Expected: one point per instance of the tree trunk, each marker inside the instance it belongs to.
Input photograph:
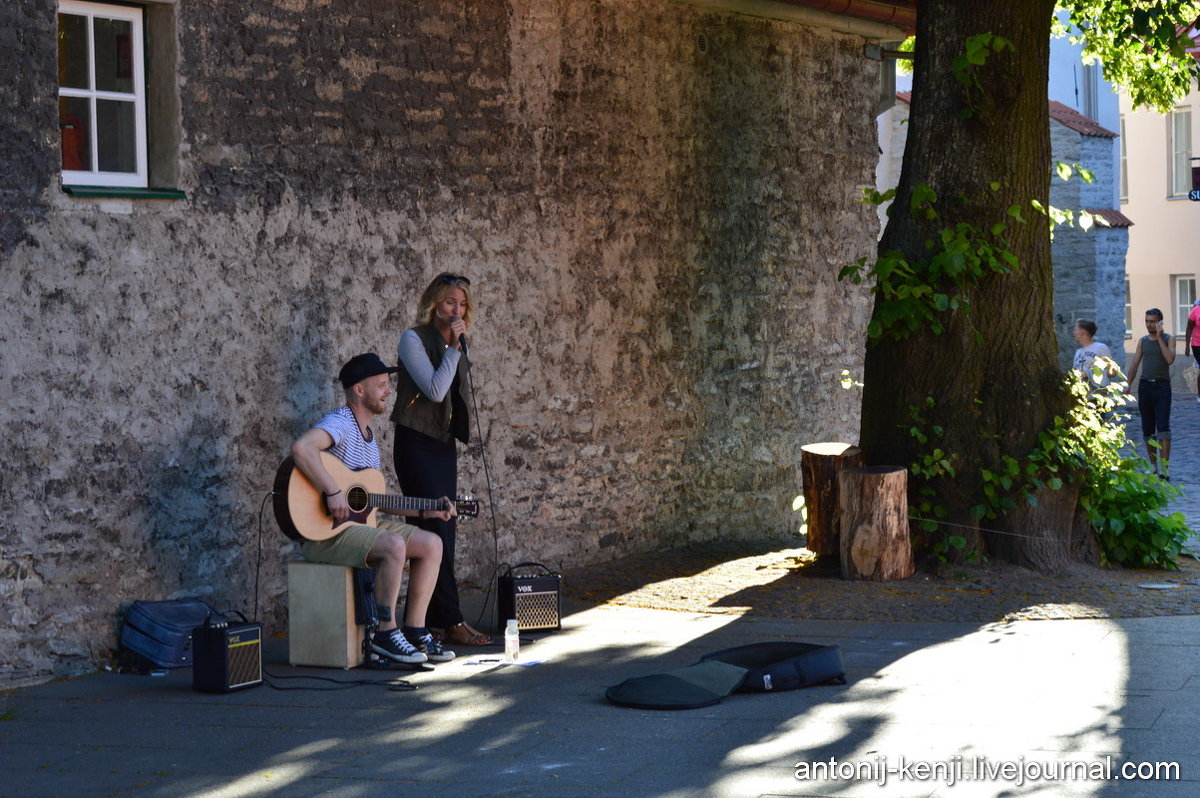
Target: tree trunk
(874, 518)
(984, 387)
(1039, 537)
(820, 464)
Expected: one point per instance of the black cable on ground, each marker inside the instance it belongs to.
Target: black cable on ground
(394, 685)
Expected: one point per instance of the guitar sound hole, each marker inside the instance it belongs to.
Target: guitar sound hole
(357, 499)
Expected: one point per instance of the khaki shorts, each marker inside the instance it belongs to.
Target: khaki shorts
(353, 544)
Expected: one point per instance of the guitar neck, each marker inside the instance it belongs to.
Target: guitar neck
(388, 501)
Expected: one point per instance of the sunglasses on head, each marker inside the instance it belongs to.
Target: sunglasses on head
(453, 279)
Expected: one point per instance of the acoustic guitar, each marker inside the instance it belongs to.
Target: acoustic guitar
(301, 512)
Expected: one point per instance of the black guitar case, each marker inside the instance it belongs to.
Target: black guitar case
(755, 668)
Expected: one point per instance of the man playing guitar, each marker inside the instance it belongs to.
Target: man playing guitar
(346, 433)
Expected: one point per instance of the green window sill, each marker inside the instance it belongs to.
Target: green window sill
(125, 193)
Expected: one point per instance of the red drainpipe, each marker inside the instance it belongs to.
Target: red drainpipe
(901, 13)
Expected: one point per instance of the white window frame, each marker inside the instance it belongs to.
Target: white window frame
(1124, 165)
(1128, 311)
(135, 16)
(1184, 291)
(1181, 151)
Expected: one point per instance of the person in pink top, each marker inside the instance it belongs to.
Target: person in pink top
(1191, 340)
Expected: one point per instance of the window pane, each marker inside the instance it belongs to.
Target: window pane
(116, 139)
(74, 120)
(1182, 145)
(114, 55)
(1185, 295)
(1128, 311)
(1124, 164)
(73, 51)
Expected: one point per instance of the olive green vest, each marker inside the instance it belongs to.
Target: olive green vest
(444, 420)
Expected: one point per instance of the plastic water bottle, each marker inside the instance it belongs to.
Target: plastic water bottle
(512, 641)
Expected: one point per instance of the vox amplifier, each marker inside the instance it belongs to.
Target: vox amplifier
(226, 658)
(534, 600)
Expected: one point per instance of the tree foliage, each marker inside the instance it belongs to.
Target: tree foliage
(1143, 45)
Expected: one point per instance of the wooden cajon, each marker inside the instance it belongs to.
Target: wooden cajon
(321, 627)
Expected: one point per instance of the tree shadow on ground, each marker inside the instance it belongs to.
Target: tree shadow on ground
(781, 579)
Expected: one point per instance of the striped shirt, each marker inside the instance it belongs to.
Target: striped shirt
(349, 445)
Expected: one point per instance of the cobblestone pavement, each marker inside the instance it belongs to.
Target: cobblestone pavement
(1184, 467)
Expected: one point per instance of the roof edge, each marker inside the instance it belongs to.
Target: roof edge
(807, 12)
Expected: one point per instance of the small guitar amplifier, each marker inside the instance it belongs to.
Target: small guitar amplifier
(535, 601)
(226, 658)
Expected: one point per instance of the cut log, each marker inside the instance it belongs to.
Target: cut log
(820, 464)
(874, 518)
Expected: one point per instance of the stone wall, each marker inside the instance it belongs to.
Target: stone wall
(1089, 265)
(652, 227)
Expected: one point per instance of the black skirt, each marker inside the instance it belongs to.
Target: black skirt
(428, 469)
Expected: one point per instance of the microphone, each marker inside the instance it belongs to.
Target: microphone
(462, 339)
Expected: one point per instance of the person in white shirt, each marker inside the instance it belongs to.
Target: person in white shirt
(346, 434)
(1090, 350)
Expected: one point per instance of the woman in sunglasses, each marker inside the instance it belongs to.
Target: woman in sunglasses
(430, 413)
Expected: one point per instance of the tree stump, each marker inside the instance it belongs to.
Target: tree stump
(820, 464)
(874, 517)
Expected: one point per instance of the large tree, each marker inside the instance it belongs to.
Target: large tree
(961, 372)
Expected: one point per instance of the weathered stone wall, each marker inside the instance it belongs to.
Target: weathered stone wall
(1089, 265)
(653, 234)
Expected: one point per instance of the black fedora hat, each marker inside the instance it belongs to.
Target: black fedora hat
(359, 367)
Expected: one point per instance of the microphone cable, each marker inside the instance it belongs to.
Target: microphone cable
(488, 595)
(258, 560)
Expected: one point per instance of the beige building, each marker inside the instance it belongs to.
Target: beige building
(1157, 152)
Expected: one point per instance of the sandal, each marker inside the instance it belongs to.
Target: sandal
(463, 634)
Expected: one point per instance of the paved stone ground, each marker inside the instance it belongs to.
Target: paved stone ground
(1104, 693)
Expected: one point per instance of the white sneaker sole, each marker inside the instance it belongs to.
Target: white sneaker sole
(415, 658)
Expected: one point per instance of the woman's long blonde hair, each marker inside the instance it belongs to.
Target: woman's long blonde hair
(437, 291)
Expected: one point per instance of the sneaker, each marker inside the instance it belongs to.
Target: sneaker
(432, 648)
(393, 645)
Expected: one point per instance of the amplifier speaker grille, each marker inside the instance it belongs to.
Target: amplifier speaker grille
(245, 664)
(227, 657)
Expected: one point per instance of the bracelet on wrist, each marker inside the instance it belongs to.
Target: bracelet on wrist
(331, 495)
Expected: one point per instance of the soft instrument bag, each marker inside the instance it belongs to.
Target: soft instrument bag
(754, 668)
(161, 631)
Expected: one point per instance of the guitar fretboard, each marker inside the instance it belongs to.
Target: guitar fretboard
(390, 501)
